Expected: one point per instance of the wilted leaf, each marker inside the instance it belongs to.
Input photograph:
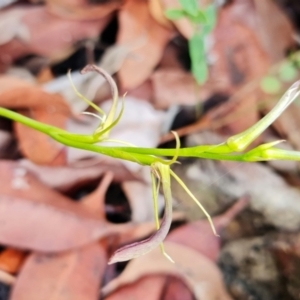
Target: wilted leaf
(18, 94)
(73, 275)
(65, 178)
(147, 40)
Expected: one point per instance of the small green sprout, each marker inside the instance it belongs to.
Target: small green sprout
(203, 21)
(233, 149)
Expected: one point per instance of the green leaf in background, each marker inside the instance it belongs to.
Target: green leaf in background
(287, 71)
(174, 14)
(197, 55)
(270, 85)
(211, 18)
(189, 6)
(199, 18)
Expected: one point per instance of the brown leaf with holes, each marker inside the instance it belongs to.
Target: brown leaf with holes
(72, 275)
(146, 39)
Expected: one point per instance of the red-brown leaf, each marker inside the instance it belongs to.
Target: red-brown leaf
(73, 275)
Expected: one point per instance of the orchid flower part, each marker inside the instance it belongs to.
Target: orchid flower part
(137, 249)
(107, 122)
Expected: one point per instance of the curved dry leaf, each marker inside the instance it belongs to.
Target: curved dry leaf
(147, 39)
(43, 227)
(38, 147)
(19, 94)
(64, 178)
(74, 275)
(199, 273)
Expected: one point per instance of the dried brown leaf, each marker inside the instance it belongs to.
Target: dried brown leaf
(73, 275)
(19, 94)
(147, 39)
(35, 217)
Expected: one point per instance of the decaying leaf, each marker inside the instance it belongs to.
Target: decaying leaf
(147, 39)
(39, 105)
(72, 275)
(66, 178)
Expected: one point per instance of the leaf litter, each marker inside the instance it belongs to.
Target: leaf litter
(55, 247)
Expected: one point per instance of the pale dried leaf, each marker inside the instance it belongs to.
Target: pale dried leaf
(73, 275)
(200, 274)
(148, 40)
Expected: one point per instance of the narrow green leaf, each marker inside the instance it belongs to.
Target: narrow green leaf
(197, 55)
(189, 6)
(199, 18)
(174, 14)
(211, 18)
